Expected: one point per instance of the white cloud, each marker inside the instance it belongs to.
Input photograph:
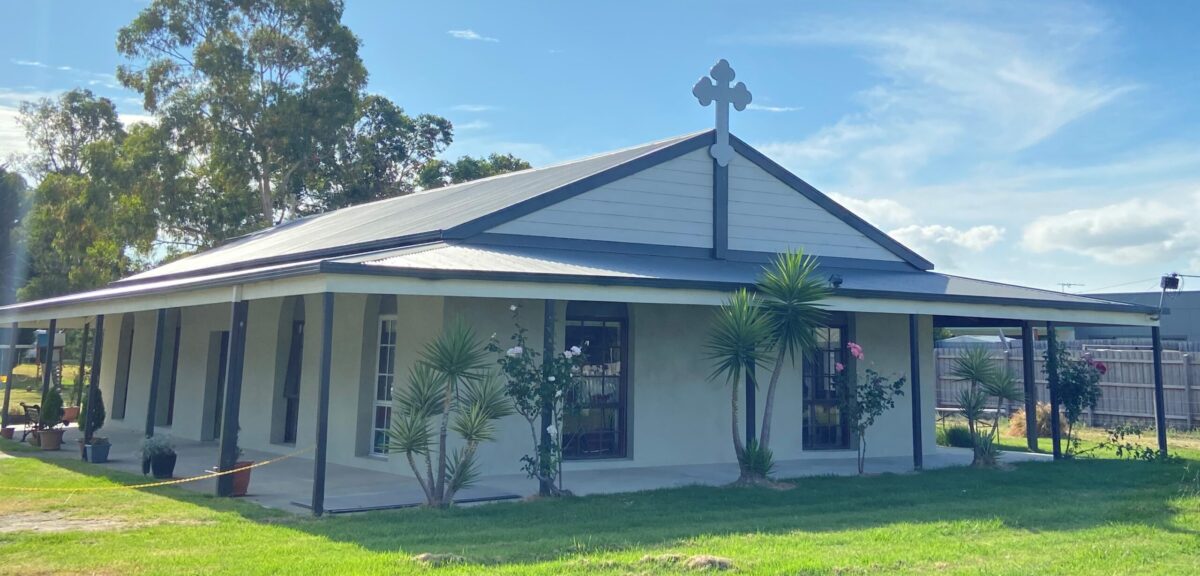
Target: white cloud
(881, 212)
(946, 245)
(473, 108)
(469, 34)
(1134, 231)
(766, 108)
(29, 63)
(472, 125)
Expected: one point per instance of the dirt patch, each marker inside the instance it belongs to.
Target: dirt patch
(59, 522)
(438, 559)
(697, 562)
(56, 522)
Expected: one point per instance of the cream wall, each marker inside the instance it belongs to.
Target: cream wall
(677, 414)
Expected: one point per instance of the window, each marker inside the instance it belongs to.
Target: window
(825, 428)
(385, 378)
(124, 358)
(597, 428)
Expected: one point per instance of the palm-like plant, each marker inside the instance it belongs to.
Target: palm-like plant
(975, 365)
(735, 344)
(791, 294)
(1005, 389)
(450, 378)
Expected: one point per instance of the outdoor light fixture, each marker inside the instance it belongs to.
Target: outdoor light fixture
(1170, 282)
(835, 280)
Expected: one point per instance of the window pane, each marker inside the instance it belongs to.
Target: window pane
(596, 428)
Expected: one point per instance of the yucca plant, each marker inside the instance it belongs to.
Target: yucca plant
(450, 379)
(769, 327)
(791, 293)
(737, 342)
(976, 367)
(1005, 389)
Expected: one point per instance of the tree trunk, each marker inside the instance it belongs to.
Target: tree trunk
(862, 452)
(264, 197)
(764, 437)
(738, 448)
(417, 474)
(440, 488)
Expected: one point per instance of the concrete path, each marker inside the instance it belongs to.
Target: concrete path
(287, 484)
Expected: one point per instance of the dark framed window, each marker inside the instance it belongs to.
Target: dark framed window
(825, 427)
(597, 426)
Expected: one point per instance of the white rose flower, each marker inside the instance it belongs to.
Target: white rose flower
(512, 308)
(552, 430)
(576, 351)
(558, 393)
(515, 351)
(551, 379)
(567, 354)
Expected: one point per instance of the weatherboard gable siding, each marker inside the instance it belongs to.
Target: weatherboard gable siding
(667, 204)
(768, 215)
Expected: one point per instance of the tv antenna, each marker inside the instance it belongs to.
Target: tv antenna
(1065, 285)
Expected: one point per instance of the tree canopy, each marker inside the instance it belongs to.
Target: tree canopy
(13, 202)
(260, 115)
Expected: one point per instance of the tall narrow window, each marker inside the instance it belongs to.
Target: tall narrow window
(385, 378)
(597, 428)
(825, 427)
(291, 384)
(124, 358)
(222, 369)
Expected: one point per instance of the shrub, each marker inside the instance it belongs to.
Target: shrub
(92, 414)
(160, 445)
(956, 436)
(52, 409)
(758, 460)
(987, 453)
(1016, 423)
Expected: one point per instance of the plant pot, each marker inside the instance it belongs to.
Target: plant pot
(70, 414)
(34, 439)
(97, 453)
(163, 465)
(6, 432)
(241, 478)
(51, 439)
(82, 450)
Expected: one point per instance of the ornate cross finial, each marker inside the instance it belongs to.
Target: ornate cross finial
(718, 90)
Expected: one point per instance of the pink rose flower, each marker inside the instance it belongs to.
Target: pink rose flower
(855, 350)
(839, 367)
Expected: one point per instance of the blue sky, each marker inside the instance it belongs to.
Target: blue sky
(1010, 141)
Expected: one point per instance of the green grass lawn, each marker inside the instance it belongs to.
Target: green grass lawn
(27, 387)
(1075, 517)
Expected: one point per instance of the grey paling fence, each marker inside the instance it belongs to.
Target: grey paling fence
(1127, 389)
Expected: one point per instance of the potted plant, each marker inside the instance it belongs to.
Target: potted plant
(158, 456)
(91, 418)
(7, 432)
(50, 436)
(241, 475)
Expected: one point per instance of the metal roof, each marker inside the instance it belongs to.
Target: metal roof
(451, 260)
(405, 219)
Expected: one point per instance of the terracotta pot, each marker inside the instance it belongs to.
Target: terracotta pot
(51, 439)
(241, 478)
(70, 414)
(34, 438)
(6, 432)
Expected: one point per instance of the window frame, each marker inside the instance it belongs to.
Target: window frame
(377, 403)
(581, 312)
(808, 399)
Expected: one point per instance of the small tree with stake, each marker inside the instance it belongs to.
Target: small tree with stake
(532, 386)
(862, 402)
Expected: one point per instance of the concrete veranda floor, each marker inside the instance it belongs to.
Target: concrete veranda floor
(287, 484)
